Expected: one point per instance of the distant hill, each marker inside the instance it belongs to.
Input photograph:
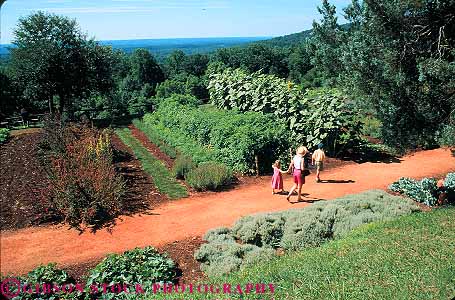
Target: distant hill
(162, 47)
(287, 40)
(293, 39)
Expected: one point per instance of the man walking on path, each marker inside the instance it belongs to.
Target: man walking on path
(317, 159)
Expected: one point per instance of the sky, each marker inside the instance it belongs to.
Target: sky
(141, 19)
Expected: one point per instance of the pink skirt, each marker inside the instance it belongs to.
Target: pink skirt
(277, 181)
(298, 177)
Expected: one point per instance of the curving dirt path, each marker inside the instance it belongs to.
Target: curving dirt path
(24, 249)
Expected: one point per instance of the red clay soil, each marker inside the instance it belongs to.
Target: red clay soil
(24, 249)
(152, 148)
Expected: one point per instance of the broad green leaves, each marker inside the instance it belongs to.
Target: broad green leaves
(319, 115)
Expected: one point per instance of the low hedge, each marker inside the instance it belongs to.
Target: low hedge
(209, 176)
(256, 237)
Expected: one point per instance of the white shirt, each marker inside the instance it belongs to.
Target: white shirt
(298, 162)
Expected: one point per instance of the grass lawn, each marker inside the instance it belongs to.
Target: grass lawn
(162, 177)
(412, 257)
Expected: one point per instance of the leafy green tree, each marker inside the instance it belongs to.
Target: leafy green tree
(53, 59)
(196, 64)
(175, 63)
(144, 69)
(325, 43)
(400, 59)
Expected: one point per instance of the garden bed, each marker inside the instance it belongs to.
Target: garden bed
(24, 184)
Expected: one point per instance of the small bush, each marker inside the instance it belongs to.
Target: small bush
(209, 176)
(85, 187)
(4, 135)
(424, 191)
(48, 274)
(446, 136)
(260, 230)
(182, 166)
(219, 235)
(140, 265)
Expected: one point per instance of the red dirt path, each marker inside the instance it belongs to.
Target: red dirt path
(24, 249)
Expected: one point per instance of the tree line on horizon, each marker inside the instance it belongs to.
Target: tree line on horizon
(394, 60)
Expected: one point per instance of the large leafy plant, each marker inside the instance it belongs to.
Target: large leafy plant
(318, 116)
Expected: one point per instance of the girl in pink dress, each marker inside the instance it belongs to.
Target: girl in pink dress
(277, 179)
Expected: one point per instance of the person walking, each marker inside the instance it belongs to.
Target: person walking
(317, 159)
(297, 166)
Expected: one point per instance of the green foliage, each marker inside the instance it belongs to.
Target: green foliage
(398, 57)
(4, 135)
(424, 191)
(209, 176)
(449, 182)
(53, 58)
(329, 119)
(446, 136)
(46, 274)
(183, 84)
(229, 137)
(161, 176)
(182, 166)
(263, 230)
(255, 57)
(144, 266)
(399, 259)
(320, 115)
(155, 138)
(371, 126)
(325, 43)
(296, 229)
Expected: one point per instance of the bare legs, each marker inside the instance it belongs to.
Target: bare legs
(299, 191)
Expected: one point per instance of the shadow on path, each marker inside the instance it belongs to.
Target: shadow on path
(337, 181)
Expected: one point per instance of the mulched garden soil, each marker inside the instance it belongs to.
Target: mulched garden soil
(23, 183)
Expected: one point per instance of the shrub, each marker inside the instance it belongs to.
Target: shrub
(424, 191)
(320, 115)
(222, 234)
(261, 234)
(260, 230)
(85, 188)
(140, 265)
(4, 135)
(182, 166)
(446, 135)
(209, 176)
(47, 274)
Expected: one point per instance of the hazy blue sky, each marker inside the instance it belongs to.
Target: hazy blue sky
(133, 19)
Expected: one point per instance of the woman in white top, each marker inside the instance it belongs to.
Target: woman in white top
(298, 166)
